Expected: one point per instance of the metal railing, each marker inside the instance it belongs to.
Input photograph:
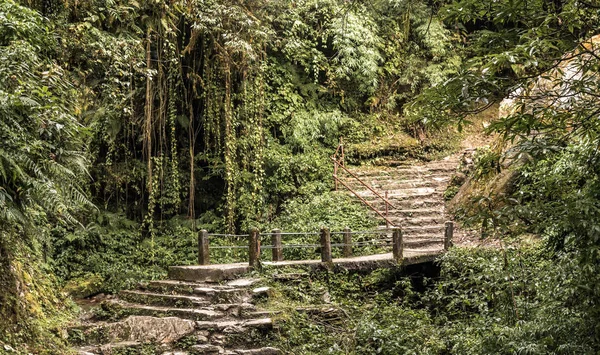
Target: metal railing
(338, 162)
(277, 246)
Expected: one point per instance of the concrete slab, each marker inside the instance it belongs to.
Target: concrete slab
(222, 272)
(367, 262)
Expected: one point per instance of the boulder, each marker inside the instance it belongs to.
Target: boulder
(151, 329)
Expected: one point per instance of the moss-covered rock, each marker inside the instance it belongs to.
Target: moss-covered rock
(84, 286)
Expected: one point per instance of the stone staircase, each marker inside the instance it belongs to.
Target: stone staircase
(173, 317)
(417, 193)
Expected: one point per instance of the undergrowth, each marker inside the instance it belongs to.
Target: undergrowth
(484, 301)
(112, 253)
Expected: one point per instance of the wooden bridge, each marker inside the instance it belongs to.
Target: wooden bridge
(399, 255)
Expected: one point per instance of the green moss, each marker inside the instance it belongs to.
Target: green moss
(34, 314)
(84, 286)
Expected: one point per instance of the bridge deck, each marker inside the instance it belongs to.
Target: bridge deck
(219, 272)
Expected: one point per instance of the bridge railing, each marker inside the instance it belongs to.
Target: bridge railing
(344, 239)
(339, 163)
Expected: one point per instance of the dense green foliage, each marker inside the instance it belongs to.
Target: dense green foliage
(542, 176)
(127, 126)
(113, 254)
(42, 168)
(491, 301)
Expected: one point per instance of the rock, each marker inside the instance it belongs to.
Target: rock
(259, 323)
(204, 291)
(215, 325)
(204, 333)
(107, 349)
(290, 276)
(163, 330)
(208, 273)
(176, 353)
(262, 291)
(206, 349)
(243, 282)
(151, 329)
(85, 352)
(218, 339)
(224, 307)
(201, 339)
(261, 351)
(85, 286)
(234, 329)
(458, 179)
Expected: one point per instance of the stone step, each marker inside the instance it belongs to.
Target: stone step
(208, 349)
(404, 180)
(161, 299)
(125, 347)
(215, 311)
(141, 329)
(181, 287)
(444, 166)
(223, 295)
(421, 229)
(416, 242)
(435, 235)
(208, 273)
(208, 292)
(403, 164)
(399, 194)
(260, 351)
(397, 184)
(403, 177)
(235, 326)
(418, 212)
(427, 202)
(417, 221)
(394, 197)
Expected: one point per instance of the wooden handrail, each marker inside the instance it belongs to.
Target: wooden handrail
(364, 201)
(385, 200)
(338, 162)
(325, 244)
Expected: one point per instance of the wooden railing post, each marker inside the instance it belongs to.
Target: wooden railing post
(398, 245)
(253, 247)
(347, 249)
(448, 234)
(203, 253)
(325, 245)
(335, 169)
(277, 247)
(387, 223)
(342, 149)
